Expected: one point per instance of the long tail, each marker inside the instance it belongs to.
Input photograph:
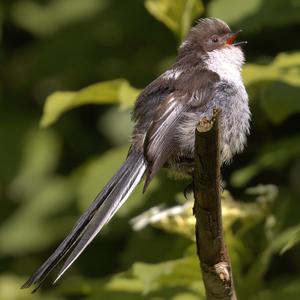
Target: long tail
(106, 204)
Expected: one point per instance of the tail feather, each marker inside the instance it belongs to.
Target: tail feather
(106, 204)
(111, 205)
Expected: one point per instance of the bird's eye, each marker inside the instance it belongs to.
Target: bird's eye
(215, 38)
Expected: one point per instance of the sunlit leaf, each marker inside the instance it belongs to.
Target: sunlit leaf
(180, 219)
(278, 85)
(177, 15)
(164, 279)
(127, 94)
(107, 92)
(181, 272)
(284, 68)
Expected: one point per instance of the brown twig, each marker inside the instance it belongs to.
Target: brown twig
(211, 248)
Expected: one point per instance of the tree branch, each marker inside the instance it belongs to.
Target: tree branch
(211, 248)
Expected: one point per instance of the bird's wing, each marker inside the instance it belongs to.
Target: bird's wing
(191, 93)
(159, 142)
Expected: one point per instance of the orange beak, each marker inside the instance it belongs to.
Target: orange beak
(232, 37)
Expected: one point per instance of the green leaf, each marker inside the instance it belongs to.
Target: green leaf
(277, 84)
(176, 15)
(181, 272)
(273, 157)
(180, 219)
(127, 94)
(107, 92)
(280, 100)
(293, 238)
(163, 280)
(284, 68)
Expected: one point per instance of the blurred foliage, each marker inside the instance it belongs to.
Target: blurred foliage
(72, 53)
(177, 15)
(114, 91)
(256, 14)
(49, 18)
(279, 83)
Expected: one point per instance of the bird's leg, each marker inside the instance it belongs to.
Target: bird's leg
(188, 190)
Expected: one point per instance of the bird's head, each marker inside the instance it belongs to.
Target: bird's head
(211, 34)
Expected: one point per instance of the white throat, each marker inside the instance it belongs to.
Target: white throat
(227, 63)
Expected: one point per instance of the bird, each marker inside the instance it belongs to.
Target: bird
(205, 75)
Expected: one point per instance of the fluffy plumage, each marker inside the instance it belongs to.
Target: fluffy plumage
(205, 75)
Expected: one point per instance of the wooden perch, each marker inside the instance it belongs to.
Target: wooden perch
(211, 248)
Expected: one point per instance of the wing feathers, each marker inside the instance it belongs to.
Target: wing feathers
(160, 141)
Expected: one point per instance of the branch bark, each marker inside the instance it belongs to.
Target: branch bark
(211, 248)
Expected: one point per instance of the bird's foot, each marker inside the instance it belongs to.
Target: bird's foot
(188, 190)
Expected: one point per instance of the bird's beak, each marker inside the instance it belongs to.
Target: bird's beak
(232, 37)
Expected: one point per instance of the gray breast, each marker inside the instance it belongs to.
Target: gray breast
(232, 99)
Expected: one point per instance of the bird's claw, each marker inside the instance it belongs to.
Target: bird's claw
(188, 189)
